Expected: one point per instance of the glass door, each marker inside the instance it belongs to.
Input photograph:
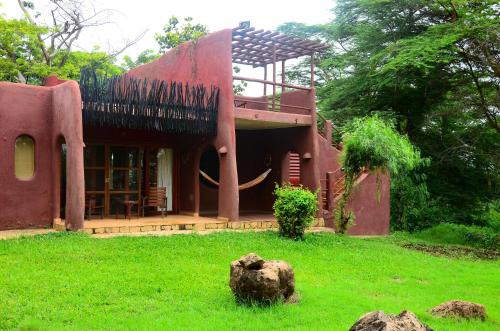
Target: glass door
(124, 178)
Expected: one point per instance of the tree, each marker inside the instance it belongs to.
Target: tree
(42, 44)
(432, 67)
(144, 57)
(175, 34)
(20, 51)
(21, 56)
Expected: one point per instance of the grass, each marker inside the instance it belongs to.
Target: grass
(75, 282)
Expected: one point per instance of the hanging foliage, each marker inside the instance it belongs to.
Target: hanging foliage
(130, 103)
(372, 145)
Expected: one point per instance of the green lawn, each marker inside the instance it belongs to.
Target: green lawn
(75, 282)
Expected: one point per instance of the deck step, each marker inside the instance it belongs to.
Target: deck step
(183, 227)
(95, 228)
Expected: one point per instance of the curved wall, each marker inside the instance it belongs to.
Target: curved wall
(45, 114)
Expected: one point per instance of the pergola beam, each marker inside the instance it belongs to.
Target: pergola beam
(260, 48)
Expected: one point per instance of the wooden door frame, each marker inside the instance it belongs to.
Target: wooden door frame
(175, 169)
(108, 192)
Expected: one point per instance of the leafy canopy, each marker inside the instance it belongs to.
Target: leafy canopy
(432, 68)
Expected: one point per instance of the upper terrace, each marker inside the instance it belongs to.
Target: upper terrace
(281, 104)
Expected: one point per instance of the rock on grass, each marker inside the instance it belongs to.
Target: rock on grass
(460, 309)
(254, 280)
(379, 321)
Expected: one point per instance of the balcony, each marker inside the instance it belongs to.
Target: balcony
(294, 104)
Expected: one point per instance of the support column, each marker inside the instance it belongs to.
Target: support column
(75, 190)
(310, 171)
(228, 182)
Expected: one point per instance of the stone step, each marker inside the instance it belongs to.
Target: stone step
(120, 227)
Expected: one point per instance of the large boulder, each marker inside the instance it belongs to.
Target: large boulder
(461, 309)
(379, 321)
(254, 280)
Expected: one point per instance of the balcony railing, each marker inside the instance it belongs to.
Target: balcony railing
(271, 102)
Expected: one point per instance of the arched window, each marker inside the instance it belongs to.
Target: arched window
(24, 161)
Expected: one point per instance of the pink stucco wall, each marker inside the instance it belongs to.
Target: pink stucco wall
(46, 114)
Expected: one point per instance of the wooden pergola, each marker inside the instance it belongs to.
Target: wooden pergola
(259, 48)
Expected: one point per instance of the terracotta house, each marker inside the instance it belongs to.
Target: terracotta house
(96, 149)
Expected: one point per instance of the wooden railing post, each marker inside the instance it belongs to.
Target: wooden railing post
(283, 77)
(265, 78)
(312, 70)
(327, 131)
(330, 188)
(274, 78)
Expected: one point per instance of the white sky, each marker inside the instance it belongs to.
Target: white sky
(131, 17)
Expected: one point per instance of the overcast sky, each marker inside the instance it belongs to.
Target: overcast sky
(132, 17)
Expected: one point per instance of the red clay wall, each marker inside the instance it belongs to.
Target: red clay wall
(207, 61)
(370, 203)
(45, 114)
(249, 102)
(296, 98)
(329, 156)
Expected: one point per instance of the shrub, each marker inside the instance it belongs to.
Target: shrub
(491, 215)
(482, 237)
(295, 209)
(458, 234)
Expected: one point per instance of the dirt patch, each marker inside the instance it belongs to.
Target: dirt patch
(455, 251)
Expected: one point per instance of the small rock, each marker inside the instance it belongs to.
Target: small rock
(379, 321)
(251, 261)
(254, 280)
(462, 309)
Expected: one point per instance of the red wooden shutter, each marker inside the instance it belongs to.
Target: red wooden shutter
(294, 168)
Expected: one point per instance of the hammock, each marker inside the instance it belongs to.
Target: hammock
(244, 186)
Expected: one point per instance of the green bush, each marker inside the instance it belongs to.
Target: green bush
(458, 234)
(295, 209)
(491, 215)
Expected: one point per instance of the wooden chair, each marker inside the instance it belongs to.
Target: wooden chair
(91, 206)
(156, 198)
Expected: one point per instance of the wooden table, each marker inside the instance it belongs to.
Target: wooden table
(128, 208)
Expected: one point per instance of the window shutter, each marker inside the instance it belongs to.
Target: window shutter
(294, 168)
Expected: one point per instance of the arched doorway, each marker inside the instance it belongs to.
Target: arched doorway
(209, 191)
(62, 151)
